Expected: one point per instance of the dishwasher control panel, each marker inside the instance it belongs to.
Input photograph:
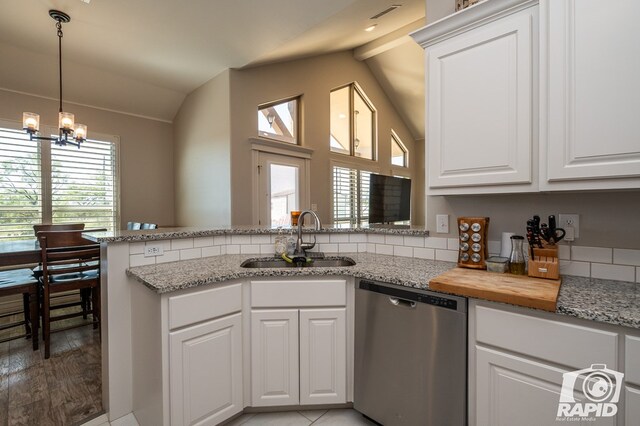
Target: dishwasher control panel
(409, 295)
(438, 301)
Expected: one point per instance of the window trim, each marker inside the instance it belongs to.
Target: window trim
(354, 87)
(371, 168)
(45, 164)
(395, 138)
(297, 124)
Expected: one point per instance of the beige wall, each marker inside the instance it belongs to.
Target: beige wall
(202, 156)
(146, 153)
(313, 78)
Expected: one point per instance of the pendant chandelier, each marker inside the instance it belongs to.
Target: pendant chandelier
(70, 132)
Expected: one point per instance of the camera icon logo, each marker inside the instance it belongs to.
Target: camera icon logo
(600, 392)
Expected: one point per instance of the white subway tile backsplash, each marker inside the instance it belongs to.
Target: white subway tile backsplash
(403, 251)
(219, 240)
(241, 239)
(384, 249)
(626, 257)
(424, 253)
(182, 243)
(233, 249)
(362, 247)
(211, 251)
(136, 248)
(447, 255)
(165, 243)
(371, 248)
(591, 254)
(347, 248)
(413, 241)
(260, 239)
(358, 238)
(394, 240)
(323, 238)
(580, 269)
(203, 242)
(453, 243)
(339, 238)
(435, 242)
(613, 272)
(638, 274)
(376, 238)
(193, 253)
(250, 249)
(168, 256)
(328, 248)
(564, 252)
(267, 249)
(140, 260)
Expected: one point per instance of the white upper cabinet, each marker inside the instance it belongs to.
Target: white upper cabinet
(590, 58)
(481, 111)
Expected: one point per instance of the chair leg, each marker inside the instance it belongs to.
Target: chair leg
(27, 319)
(33, 310)
(95, 296)
(84, 302)
(46, 331)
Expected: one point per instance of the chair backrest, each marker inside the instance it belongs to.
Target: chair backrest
(74, 238)
(58, 227)
(133, 226)
(70, 267)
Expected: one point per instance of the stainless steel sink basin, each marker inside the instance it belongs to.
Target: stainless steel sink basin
(327, 262)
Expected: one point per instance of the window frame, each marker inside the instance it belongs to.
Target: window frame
(44, 147)
(297, 122)
(370, 168)
(354, 88)
(396, 139)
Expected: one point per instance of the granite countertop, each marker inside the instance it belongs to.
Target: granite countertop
(613, 302)
(168, 233)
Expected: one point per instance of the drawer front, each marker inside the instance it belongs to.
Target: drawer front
(632, 360)
(555, 341)
(298, 293)
(203, 305)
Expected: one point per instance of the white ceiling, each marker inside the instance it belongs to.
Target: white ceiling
(144, 56)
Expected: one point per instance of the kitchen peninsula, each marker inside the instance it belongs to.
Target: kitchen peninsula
(147, 297)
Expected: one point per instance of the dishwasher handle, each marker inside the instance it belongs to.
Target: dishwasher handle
(401, 302)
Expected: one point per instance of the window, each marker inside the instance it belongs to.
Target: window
(399, 153)
(279, 121)
(44, 183)
(350, 195)
(352, 122)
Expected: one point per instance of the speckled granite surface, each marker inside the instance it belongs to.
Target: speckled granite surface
(612, 302)
(168, 233)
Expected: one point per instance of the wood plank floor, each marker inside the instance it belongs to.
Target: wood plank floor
(62, 390)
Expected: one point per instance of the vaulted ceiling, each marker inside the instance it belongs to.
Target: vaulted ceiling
(142, 57)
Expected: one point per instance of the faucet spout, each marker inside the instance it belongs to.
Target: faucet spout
(302, 246)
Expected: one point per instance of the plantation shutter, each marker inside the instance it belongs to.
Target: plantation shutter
(84, 184)
(20, 185)
(350, 195)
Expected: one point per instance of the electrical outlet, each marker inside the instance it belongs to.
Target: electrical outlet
(153, 250)
(570, 221)
(442, 223)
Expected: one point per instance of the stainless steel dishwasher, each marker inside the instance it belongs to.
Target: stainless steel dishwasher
(410, 355)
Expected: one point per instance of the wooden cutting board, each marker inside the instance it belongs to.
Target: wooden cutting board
(518, 290)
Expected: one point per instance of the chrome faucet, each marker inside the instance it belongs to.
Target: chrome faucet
(301, 246)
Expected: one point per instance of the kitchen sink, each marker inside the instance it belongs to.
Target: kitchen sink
(327, 262)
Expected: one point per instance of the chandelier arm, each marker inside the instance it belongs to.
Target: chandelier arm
(60, 34)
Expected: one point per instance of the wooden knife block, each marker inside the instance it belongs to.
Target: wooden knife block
(545, 263)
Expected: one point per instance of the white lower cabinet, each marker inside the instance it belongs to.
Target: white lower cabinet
(206, 372)
(274, 357)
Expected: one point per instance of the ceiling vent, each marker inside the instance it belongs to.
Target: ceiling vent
(387, 10)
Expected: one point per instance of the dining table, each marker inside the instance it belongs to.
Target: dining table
(19, 252)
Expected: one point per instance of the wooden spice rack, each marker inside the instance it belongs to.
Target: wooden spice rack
(544, 263)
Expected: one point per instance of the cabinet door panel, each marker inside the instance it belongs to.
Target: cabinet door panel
(206, 372)
(512, 390)
(479, 105)
(632, 404)
(593, 67)
(323, 356)
(274, 357)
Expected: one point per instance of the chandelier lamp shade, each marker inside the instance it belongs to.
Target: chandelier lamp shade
(70, 132)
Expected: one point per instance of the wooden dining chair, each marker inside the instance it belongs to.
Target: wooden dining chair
(58, 227)
(21, 281)
(69, 262)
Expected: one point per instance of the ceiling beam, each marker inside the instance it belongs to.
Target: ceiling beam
(388, 41)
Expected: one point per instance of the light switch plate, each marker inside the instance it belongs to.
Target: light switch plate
(153, 250)
(442, 223)
(570, 220)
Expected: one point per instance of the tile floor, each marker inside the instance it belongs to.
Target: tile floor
(337, 417)
(62, 390)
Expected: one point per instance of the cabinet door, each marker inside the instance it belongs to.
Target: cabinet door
(592, 65)
(512, 390)
(632, 405)
(480, 105)
(206, 372)
(323, 356)
(274, 357)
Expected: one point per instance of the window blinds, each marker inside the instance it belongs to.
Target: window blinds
(20, 185)
(350, 195)
(83, 185)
